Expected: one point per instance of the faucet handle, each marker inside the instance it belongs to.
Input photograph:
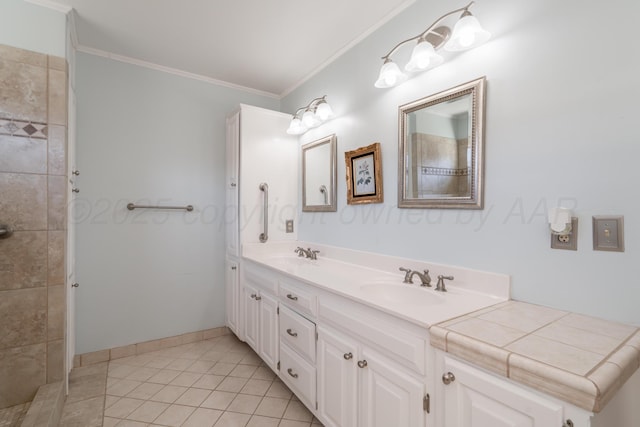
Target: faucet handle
(299, 251)
(440, 286)
(314, 254)
(426, 279)
(407, 275)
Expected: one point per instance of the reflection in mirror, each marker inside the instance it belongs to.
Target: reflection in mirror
(319, 175)
(441, 149)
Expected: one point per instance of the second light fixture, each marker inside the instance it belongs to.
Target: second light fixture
(314, 114)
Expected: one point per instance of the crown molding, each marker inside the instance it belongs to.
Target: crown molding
(49, 4)
(170, 70)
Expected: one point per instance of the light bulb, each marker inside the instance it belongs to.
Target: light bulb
(310, 120)
(390, 75)
(296, 127)
(423, 56)
(324, 111)
(467, 34)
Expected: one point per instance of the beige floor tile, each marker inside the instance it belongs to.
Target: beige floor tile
(193, 397)
(219, 400)
(263, 373)
(148, 411)
(186, 379)
(175, 415)
(243, 371)
(272, 407)
(213, 355)
(233, 357)
(298, 412)
(208, 381)
(293, 423)
(159, 362)
(120, 371)
(142, 374)
(169, 394)
(222, 368)
(260, 421)
(85, 413)
(244, 403)
(201, 366)
(122, 387)
(110, 400)
(256, 387)
(131, 423)
(145, 391)
(110, 422)
(179, 364)
(278, 389)
(203, 417)
(165, 376)
(251, 359)
(232, 419)
(123, 407)
(232, 384)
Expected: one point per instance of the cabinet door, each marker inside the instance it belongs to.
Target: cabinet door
(337, 379)
(268, 337)
(478, 399)
(388, 395)
(251, 307)
(232, 297)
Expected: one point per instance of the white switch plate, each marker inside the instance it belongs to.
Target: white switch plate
(608, 233)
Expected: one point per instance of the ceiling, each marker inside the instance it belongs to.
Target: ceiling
(270, 46)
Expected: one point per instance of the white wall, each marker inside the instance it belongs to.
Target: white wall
(152, 138)
(562, 97)
(32, 27)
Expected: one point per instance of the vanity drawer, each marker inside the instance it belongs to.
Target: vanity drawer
(259, 277)
(298, 298)
(298, 332)
(298, 374)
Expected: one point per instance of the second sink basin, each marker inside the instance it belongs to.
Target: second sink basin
(413, 295)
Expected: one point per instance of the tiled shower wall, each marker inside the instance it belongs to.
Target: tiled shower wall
(33, 194)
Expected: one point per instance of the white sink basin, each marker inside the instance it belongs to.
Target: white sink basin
(402, 294)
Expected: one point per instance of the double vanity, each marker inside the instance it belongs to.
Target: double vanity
(359, 347)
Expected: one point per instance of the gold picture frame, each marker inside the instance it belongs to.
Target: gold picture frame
(364, 175)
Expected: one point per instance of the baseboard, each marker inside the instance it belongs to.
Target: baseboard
(147, 346)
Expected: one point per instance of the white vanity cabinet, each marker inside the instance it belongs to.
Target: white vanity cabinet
(260, 313)
(371, 369)
(471, 397)
(232, 295)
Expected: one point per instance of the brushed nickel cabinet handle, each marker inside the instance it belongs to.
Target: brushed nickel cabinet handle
(448, 378)
(293, 334)
(362, 363)
(348, 356)
(293, 374)
(292, 297)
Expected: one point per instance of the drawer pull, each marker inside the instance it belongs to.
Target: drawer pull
(293, 334)
(348, 356)
(293, 374)
(362, 363)
(292, 297)
(256, 297)
(253, 296)
(448, 378)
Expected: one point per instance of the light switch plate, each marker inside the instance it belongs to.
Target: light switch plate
(289, 226)
(608, 233)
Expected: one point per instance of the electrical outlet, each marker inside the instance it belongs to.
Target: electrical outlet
(289, 226)
(567, 241)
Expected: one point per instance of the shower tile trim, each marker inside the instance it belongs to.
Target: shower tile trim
(106, 355)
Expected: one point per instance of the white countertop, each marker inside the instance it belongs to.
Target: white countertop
(371, 279)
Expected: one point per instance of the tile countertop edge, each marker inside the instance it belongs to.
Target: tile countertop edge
(590, 392)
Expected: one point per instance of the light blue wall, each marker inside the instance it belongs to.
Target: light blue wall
(562, 97)
(153, 138)
(32, 27)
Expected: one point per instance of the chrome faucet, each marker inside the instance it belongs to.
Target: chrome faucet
(307, 253)
(425, 279)
(440, 285)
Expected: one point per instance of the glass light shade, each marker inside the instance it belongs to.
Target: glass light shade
(467, 34)
(296, 127)
(310, 120)
(390, 75)
(324, 111)
(424, 56)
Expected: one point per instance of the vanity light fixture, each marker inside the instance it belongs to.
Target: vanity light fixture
(466, 34)
(314, 114)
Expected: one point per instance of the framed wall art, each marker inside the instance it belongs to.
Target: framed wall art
(364, 175)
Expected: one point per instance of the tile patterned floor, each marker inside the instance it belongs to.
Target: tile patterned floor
(13, 416)
(219, 382)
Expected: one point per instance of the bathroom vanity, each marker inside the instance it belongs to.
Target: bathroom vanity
(361, 348)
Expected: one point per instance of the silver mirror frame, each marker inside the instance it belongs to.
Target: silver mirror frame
(332, 198)
(475, 200)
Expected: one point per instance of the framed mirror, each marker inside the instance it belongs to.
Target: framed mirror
(319, 175)
(441, 156)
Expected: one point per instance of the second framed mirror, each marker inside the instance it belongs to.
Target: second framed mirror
(319, 175)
